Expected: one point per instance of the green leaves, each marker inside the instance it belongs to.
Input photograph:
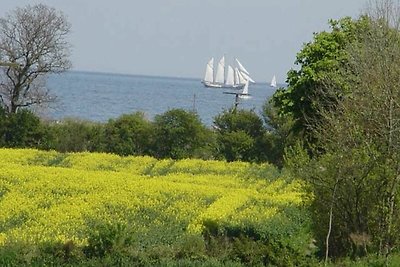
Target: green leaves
(180, 134)
(22, 129)
(320, 61)
(239, 135)
(130, 134)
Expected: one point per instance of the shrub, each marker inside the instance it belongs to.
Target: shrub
(240, 135)
(128, 135)
(179, 134)
(75, 136)
(107, 239)
(24, 129)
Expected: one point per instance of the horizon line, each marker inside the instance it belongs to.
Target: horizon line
(131, 74)
(142, 75)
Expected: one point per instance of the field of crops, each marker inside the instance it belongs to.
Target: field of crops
(55, 198)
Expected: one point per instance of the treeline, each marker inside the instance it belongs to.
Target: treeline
(177, 134)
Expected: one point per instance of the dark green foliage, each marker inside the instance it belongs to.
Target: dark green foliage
(108, 239)
(279, 134)
(180, 134)
(370, 261)
(285, 240)
(76, 136)
(240, 136)
(129, 134)
(175, 134)
(355, 200)
(23, 129)
(235, 145)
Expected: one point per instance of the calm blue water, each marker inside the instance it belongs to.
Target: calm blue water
(100, 96)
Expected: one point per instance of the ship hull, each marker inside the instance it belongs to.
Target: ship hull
(218, 85)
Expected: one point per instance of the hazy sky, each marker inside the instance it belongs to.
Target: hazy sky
(177, 37)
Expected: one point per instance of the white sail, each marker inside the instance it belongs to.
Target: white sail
(230, 79)
(245, 92)
(244, 72)
(241, 68)
(235, 77)
(246, 88)
(273, 81)
(236, 71)
(209, 76)
(220, 77)
(242, 79)
(247, 77)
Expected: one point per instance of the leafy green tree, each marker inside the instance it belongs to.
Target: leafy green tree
(319, 61)
(129, 135)
(180, 134)
(240, 135)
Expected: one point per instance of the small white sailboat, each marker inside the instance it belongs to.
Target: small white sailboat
(236, 78)
(273, 81)
(245, 93)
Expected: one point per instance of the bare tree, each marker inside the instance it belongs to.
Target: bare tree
(32, 43)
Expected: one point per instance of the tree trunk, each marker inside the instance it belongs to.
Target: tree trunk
(13, 108)
(330, 222)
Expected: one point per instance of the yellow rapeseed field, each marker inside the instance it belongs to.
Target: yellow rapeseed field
(47, 196)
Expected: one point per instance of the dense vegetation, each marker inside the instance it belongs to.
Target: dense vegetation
(344, 105)
(176, 134)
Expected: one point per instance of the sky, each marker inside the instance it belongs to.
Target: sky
(176, 38)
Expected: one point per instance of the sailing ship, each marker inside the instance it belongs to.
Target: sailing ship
(236, 78)
(273, 81)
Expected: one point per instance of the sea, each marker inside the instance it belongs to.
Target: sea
(102, 96)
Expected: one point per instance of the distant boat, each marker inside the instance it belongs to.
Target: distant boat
(273, 81)
(236, 78)
(245, 93)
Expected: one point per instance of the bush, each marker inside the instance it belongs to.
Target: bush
(106, 239)
(180, 134)
(76, 136)
(128, 135)
(23, 129)
(235, 145)
(240, 136)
